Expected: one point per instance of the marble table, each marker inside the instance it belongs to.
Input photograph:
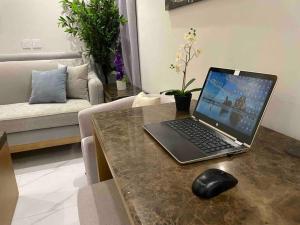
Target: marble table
(157, 190)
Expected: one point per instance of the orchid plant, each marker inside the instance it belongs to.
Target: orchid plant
(183, 57)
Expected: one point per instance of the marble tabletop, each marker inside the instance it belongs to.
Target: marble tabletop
(157, 190)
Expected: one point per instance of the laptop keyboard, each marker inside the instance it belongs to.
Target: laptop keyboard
(199, 135)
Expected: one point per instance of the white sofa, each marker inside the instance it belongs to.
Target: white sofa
(86, 131)
(40, 125)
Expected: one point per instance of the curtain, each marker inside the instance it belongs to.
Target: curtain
(129, 41)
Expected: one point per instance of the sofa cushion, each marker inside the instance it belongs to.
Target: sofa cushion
(23, 116)
(77, 82)
(143, 99)
(166, 98)
(49, 86)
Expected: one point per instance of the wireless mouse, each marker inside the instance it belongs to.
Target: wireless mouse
(213, 182)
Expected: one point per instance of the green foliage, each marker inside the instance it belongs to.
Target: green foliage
(183, 91)
(96, 23)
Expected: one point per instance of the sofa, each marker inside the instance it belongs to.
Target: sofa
(86, 131)
(36, 126)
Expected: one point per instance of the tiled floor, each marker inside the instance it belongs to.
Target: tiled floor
(48, 182)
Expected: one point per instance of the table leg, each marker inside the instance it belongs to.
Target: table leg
(8, 187)
(104, 172)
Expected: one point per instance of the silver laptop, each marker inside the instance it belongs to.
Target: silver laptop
(225, 120)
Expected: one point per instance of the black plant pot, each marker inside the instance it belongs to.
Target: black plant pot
(104, 74)
(100, 73)
(183, 102)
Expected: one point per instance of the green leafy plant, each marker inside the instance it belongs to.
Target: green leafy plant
(97, 24)
(185, 54)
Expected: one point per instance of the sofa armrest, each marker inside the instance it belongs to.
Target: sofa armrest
(95, 89)
(84, 116)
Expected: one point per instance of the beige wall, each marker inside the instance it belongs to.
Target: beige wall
(254, 35)
(21, 19)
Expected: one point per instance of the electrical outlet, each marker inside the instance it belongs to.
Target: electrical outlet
(36, 43)
(26, 43)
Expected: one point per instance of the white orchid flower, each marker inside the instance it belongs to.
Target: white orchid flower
(177, 68)
(178, 56)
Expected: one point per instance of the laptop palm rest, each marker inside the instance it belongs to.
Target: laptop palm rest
(179, 147)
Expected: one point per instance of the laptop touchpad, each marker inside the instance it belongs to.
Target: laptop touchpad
(180, 148)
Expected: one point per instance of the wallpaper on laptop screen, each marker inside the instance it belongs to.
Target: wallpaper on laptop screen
(235, 101)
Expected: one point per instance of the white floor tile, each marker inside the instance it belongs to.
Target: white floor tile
(48, 190)
(65, 216)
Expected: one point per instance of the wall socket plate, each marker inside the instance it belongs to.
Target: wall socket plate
(26, 43)
(36, 43)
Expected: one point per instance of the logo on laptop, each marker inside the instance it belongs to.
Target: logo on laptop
(217, 124)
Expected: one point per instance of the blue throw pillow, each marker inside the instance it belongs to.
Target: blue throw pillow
(48, 86)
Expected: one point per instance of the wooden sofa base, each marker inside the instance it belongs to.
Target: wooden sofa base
(44, 144)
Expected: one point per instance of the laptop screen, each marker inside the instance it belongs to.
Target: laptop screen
(234, 102)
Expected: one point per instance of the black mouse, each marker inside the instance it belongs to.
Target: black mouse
(213, 182)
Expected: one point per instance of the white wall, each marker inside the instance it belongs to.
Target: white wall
(254, 35)
(22, 19)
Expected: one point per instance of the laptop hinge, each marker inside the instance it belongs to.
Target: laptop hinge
(238, 142)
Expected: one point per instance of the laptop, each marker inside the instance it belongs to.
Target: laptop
(225, 120)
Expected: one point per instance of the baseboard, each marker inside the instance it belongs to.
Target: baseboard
(44, 144)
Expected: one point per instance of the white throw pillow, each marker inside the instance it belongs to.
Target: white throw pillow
(166, 98)
(143, 99)
(77, 81)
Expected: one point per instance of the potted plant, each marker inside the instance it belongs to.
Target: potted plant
(184, 56)
(97, 24)
(121, 78)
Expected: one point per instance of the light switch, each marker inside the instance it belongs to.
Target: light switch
(26, 44)
(36, 43)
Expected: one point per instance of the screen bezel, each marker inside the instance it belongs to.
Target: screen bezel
(232, 132)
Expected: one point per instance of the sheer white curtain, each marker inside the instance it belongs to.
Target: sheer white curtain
(129, 41)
